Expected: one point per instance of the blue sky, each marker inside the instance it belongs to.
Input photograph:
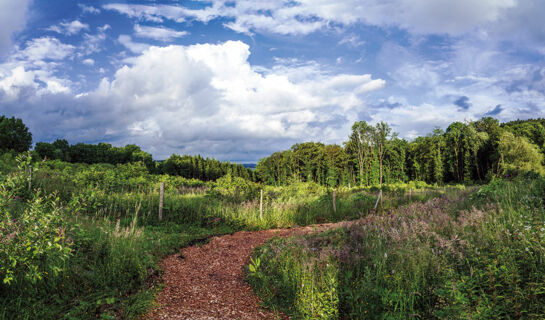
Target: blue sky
(240, 79)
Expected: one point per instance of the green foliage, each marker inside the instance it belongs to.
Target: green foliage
(453, 257)
(235, 189)
(517, 155)
(33, 239)
(14, 135)
(93, 153)
(295, 280)
(472, 152)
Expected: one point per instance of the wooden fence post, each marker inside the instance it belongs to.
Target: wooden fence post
(30, 178)
(161, 198)
(378, 198)
(261, 206)
(334, 207)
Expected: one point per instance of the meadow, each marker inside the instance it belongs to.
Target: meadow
(473, 254)
(83, 241)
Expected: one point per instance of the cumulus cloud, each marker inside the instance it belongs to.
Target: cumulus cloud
(69, 28)
(45, 48)
(201, 99)
(32, 69)
(158, 33)
(12, 19)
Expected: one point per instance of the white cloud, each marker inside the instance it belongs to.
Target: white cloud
(45, 48)
(13, 16)
(33, 68)
(93, 42)
(306, 16)
(158, 33)
(424, 16)
(88, 9)
(69, 28)
(12, 83)
(416, 75)
(134, 47)
(88, 62)
(352, 40)
(200, 99)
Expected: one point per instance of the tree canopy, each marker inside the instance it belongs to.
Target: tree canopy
(14, 135)
(463, 153)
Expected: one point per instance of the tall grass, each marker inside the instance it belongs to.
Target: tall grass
(459, 256)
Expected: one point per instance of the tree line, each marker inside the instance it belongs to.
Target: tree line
(467, 152)
(471, 152)
(197, 167)
(191, 167)
(15, 137)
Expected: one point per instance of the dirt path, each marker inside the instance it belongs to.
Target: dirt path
(208, 282)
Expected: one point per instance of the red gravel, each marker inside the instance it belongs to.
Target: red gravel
(208, 282)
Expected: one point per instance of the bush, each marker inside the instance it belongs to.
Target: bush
(33, 238)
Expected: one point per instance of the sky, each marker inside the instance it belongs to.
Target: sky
(239, 79)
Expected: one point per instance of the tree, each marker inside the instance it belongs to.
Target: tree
(45, 150)
(475, 140)
(309, 159)
(395, 160)
(380, 138)
(360, 144)
(454, 142)
(517, 154)
(336, 161)
(488, 155)
(14, 135)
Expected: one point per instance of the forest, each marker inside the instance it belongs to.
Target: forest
(472, 152)
(446, 226)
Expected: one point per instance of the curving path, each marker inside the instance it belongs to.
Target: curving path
(208, 282)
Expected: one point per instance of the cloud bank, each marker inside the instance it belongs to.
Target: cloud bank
(191, 99)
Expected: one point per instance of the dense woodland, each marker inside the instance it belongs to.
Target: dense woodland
(470, 152)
